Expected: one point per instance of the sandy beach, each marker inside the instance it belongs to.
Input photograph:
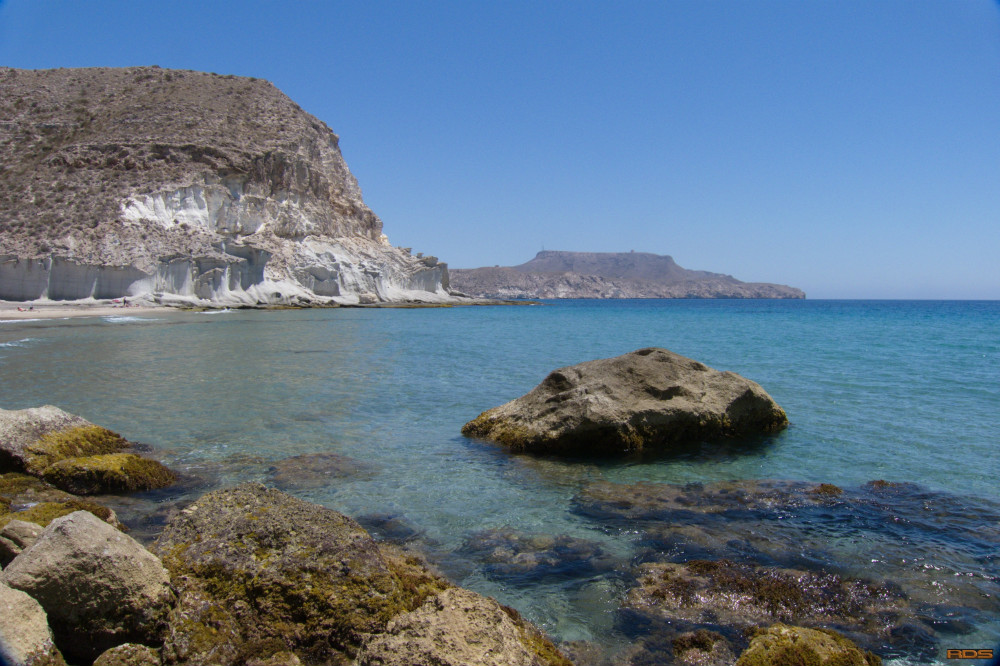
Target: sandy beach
(11, 311)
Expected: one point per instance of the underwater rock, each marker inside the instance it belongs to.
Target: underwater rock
(73, 454)
(32, 500)
(888, 533)
(648, 400)
(781, 645)
(274, 573)
(25, 637)
(733, 597)
(390, 527)
(99, 587)
(460, 628)
(522, 558)
(314, 470)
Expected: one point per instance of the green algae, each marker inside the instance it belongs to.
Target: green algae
(701, 639)
(45, 512)
(115, 472)
(80, 441)
(783, 645)
(535, 641)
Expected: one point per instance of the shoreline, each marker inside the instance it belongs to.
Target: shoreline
(12, 311)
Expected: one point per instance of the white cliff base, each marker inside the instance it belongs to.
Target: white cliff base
(217, 244)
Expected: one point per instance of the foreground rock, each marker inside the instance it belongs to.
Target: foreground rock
(25, 637)
(73, 454)
(15, 537)
(99, 587)
(650, 399)
(782, 645)
(460, 628)
(261, 574)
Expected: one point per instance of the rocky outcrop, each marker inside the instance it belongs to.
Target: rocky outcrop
(554, 274)
(99, 587)
(73, 454)
(129, 654)
(25, 637)
(780, 645)
(650, 399)
(458, 628)
(185, 187)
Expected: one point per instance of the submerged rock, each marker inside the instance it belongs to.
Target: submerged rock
(460, 628)
(523, 558)
(73, 454)
(782, 645)
(314, 470)
(650, 399)
(25, 637)
(870, 561)
(260, 572)
(32, 500)
(99, 587)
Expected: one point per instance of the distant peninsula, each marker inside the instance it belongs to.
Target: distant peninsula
(556, 274)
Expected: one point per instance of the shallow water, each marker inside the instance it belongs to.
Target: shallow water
(905, 391)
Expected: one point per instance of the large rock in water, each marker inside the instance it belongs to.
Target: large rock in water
(185, 187)
(650, 399)
(99, 587)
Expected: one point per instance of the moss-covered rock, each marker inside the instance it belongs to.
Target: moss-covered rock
(129, 654)
(260, 572)
(108, 473)
(650, 399)
(45, 512)
(783, 645)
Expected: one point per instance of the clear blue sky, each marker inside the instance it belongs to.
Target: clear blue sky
(847, 147)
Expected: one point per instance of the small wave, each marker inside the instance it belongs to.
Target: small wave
(124, 319)
(17, 343)
(222, 311)
(18, 321)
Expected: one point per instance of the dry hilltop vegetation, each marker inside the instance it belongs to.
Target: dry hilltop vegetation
(137, 167)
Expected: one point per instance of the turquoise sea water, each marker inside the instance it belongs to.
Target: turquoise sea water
(904, 391)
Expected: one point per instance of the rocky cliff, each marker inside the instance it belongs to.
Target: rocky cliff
(554, 274)
(185, 187)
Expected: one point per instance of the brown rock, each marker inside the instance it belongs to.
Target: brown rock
(16, 536)
(25, 637)
(650, 399)
(129, 654)
(781, 645)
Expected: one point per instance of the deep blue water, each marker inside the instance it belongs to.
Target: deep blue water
(898, 390)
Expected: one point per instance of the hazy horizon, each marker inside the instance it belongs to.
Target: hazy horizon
(850, 149)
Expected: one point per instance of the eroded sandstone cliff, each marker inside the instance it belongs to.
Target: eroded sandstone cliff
(185, 187)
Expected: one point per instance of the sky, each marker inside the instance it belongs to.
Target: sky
(850, 148)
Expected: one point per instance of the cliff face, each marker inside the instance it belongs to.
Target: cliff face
(184, 186)
(554, 274)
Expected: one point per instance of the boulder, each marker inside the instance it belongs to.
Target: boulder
(109, 473)
(129, 654)
(780, 645)
(34, 438)
(25, 637)
(73, 454)
(260, 573)
(650, 399)
(16, 536)
(99, 587)
(460, 628)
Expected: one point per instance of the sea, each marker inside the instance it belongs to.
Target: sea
(361, 410)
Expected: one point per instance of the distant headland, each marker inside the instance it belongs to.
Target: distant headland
(556, 274)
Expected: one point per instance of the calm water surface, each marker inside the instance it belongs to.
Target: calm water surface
(905, 391)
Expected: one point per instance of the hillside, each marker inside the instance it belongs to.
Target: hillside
(184, 186)
(555, 274)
